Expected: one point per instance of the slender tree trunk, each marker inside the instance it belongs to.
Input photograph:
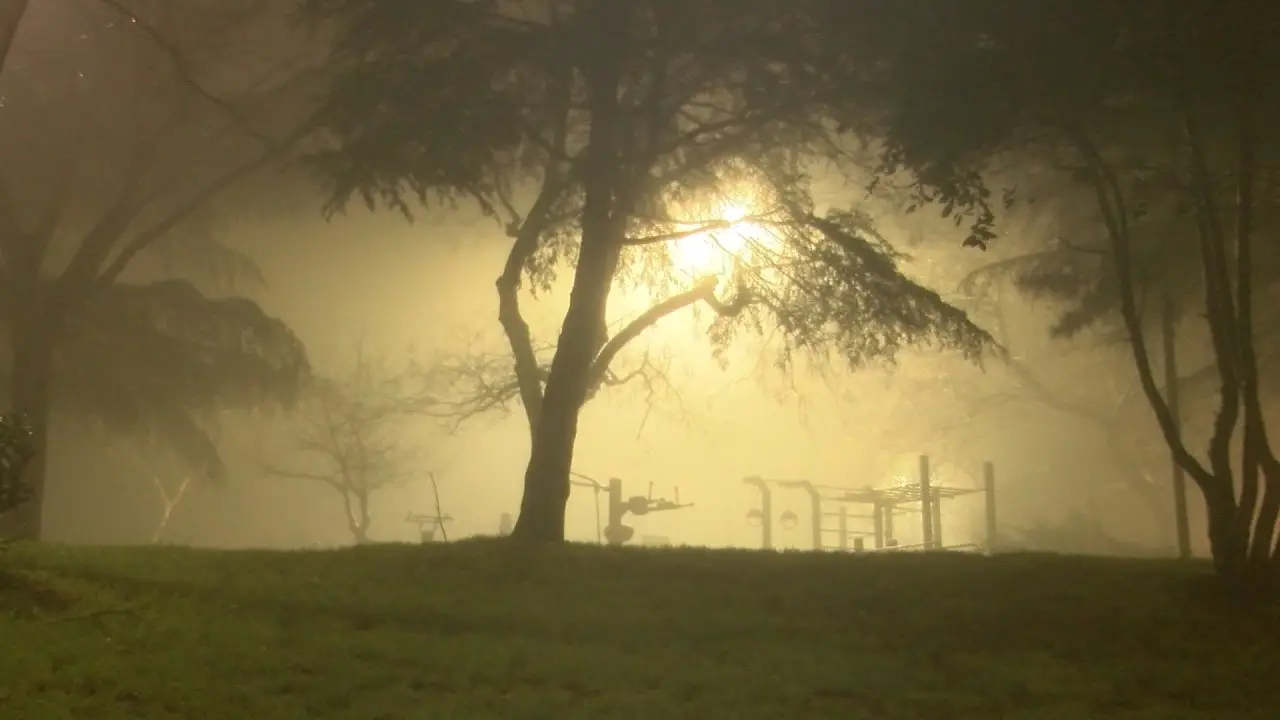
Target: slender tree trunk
(546, 482)
(1168, 333)
(171, 503)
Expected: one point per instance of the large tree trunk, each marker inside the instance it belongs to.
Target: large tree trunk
(546, 481)
(32, 337)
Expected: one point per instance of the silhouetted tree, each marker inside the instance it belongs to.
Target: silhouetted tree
(631, 125)
(1144, 104)
(114, 148)
(354, 432)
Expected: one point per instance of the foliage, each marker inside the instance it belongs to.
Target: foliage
(470, 101)
(1160, 116)
(627, 147)
(160, 360)
(17, 448)
(703, 633)
(120, 131)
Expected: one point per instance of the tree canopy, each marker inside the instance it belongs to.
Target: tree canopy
(606, 138)
(118, 136)
(1158, 112)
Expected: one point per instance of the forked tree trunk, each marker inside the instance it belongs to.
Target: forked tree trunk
(546, 481)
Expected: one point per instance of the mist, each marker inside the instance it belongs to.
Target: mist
(424, 290)
(697, 419)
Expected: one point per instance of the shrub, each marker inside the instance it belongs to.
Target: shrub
(17, 448)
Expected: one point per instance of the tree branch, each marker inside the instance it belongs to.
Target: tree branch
(182, 69)
(11, 14)
(704, 291)
(143, 239)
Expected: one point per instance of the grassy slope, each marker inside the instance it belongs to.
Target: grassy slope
(482, 630)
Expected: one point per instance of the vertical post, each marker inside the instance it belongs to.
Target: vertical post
(766, 510)
(616, 511)
(989, 488)
(844, 527)
(1168, 330)
(888, 524)
(926, 503)
(878, 523)
(937, 517)
(815, 511)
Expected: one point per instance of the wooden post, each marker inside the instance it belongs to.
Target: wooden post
(989, 488)
(766, 510)
(926, 503)
(878, 523)
(937, 517)
(844, 527)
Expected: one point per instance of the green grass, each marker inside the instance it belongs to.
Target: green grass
(483, 630)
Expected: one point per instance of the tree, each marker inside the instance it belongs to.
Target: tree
(115, 147)
(1158, 112)
(354, 433)
(635, 131)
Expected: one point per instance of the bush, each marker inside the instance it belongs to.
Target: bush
(17, 447)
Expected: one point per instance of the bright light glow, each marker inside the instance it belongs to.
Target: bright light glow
(714, 251)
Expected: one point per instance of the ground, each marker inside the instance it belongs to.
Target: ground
(481, 630)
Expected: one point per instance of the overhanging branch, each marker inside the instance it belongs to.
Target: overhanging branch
(704, 291)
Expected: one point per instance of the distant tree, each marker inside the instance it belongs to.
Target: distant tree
(117, 136)
(355, 432)
(643, 133)
(1163, 115)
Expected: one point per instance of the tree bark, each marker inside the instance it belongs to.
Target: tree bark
(1168, 339)
(546, 481)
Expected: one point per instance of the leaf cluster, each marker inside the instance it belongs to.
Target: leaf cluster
(17, 449)
(160, 359)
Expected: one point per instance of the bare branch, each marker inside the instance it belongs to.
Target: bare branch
(182, 69)
(11, 15)
(145, 238)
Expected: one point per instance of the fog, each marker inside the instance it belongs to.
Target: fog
(423, 292)
(426, 289)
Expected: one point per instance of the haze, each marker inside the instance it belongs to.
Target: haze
(371, 284)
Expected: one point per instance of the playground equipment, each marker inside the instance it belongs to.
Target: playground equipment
(429, 523)
(923, 497)
(615, 533)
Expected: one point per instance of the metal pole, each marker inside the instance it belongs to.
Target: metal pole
(989, 487)
(615, 504)
(926, 503)
(878, 512)
(766, 510)
(844, 527)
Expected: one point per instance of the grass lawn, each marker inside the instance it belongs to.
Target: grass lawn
(484, 630)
